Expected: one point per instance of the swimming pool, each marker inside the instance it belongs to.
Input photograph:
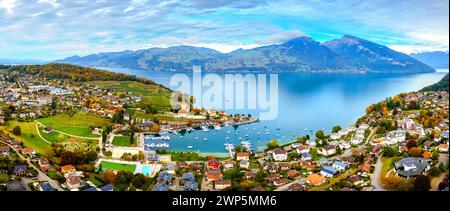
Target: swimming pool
(146, 170)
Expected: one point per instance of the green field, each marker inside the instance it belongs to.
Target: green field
(162, 117)
(29, 137)
(53, 137)
(77, 124)
(122, 141)
(95, 178)
(56, 137)
(151, 93)
(117, 166)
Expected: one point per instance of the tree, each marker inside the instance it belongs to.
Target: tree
(100, 168)
(389, 152)
(132, 135)
(393, 181)
(4, 178)
(336, 129)
(443, 185)
(302, 139)
(411, 143)
(139, 180)
(247, 184)
(442, 167)
(415, 151)
(109, 176)
(104, 137)
(118, 117)
(67, 157)
(54, 104)
(123, 178)
(273, 144)
(434, 171)
(17, 130)
(320, 134)
(422, 183)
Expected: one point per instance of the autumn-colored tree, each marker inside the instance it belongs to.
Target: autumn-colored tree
(427, 155)
(415, 151)
(247, 184)
(155, 128)
(108, 176)
(411, 143)
(422, 183)
(393, 181)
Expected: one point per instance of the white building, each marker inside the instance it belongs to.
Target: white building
(279, 154)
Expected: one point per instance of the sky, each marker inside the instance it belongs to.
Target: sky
(55, 29)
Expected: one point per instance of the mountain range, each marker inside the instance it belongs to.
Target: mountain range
(347, 54)
(436, 59)
(21, 61)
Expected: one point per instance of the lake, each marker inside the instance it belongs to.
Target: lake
(311, 101)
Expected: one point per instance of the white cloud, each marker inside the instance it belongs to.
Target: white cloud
(8, 5)
(54, 3)
(281, 37)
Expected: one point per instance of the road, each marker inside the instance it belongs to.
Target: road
(443, 158)
(41, 176)
(375, 178)
(40, 136)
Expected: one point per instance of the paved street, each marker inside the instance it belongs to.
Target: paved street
(41, 176)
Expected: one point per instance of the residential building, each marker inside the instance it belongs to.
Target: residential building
(279, 154)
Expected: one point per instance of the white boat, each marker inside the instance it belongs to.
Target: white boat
(258, 133)
(189, 147)
(227, 138)
(228, 131)
(267, 133)
(240, 138)
(217, 127)
(205, 139)
(196, 138)
(204, 128)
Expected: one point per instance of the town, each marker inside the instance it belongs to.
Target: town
(60, 134)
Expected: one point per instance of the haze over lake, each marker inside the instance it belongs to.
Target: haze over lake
(311, 101)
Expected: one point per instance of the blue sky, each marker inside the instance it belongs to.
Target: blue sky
(54, 29)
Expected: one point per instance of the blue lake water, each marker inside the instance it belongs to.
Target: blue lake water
(312, 101)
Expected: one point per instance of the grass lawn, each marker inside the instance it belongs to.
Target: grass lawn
(93, 178)
(117, 166)
(77, 124)
(51, 174)
(386, 166)
(151, 93)
(56, 137)
(53, 137)
(122, 141)
(333, 180)
(29, 137)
